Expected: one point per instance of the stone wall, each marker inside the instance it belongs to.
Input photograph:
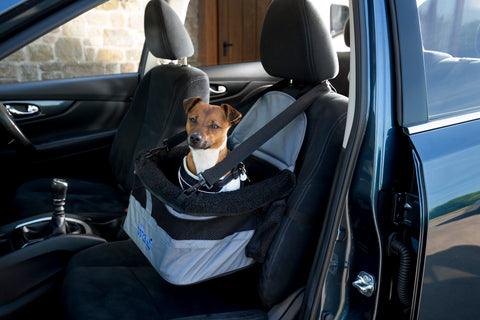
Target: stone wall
(191, 24)
(106, 40)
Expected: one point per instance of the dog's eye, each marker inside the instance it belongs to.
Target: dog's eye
(193, 120)
(214, 126)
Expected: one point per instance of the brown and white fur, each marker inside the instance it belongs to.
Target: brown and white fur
(207, 127)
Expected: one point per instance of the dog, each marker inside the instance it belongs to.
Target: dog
(207, 128)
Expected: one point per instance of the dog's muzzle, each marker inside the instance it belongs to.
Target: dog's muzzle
(196, 141)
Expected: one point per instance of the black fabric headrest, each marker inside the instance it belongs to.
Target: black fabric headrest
(165, 34)
(296, 44)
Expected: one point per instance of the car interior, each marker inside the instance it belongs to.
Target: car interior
(95, 271)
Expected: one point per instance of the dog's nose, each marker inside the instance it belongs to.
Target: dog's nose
(196, 138)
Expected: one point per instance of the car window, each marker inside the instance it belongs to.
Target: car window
(451, 40)
(105, 40)
(228, 31)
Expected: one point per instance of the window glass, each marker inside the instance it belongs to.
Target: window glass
(228, 31)
(105, 40)
(451, 40)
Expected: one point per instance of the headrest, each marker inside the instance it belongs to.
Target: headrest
(296, 44)
(165, 34)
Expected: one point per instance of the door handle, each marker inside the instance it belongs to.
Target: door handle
(22, 110)
(220, 89)
(225, 46)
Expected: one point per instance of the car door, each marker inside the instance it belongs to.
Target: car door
(67, 84)
(443, 126)
(408, 191)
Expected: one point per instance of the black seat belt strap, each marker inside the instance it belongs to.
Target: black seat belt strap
(247, 147)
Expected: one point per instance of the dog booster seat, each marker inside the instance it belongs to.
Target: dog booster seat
(192, 237)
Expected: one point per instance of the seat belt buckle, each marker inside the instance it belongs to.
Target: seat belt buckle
(202, 182)
(165, 146)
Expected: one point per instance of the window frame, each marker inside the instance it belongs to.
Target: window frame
(412, 103)
(57, 16)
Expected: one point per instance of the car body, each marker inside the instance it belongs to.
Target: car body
(400, 238)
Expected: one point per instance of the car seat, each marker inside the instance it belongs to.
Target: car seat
(115, 281)
(155, 113)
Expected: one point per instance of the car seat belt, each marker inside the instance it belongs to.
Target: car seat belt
(247, 147)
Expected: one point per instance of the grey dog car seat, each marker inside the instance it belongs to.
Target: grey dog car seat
(115, 280)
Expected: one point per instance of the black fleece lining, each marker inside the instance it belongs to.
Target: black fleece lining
(228, 212)
(152, 168)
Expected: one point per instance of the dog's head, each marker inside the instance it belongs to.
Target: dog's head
(207, 125)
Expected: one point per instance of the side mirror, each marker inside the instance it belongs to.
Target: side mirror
(338, 17)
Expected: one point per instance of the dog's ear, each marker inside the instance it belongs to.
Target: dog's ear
(233, 116)
(190, 102)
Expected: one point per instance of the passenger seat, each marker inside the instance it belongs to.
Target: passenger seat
(115, 280)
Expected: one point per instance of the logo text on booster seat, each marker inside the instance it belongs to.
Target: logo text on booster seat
(142, 235)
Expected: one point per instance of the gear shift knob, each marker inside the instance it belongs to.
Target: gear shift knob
(59, 187)
(57, 224)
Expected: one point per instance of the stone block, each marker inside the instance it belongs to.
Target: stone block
(117, 19)
(90, 54)
(75, 28)
(110, 5)
(112, 68)
(109, 55)
(52, 75)
(117, 37)
(73, 70)
(17, 56)
(51, 67)
(7, 71)
(40, 53)
(29, 72)
(69, 49)
(129, 67)
(133, 54)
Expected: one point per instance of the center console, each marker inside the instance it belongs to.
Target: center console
(35, 251)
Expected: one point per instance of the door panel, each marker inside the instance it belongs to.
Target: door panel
(73, 107)
(73, 130)
(451, 180)
(239, 80)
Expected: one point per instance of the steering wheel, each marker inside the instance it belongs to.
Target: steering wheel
(8, 123)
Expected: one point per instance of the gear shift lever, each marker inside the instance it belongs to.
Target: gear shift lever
(58, 225)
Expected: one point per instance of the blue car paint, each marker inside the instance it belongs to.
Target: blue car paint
(451, 178)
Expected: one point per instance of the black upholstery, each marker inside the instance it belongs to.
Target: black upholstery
(156, 112)
(165, 34)
(297, 48)
(118, 282)
(341, 81)
(34, 197)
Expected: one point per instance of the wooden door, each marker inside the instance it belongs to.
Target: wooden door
(229, 30)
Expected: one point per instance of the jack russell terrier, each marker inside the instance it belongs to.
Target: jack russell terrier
(207, 128)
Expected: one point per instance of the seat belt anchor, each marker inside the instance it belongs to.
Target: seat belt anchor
(202, 182)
